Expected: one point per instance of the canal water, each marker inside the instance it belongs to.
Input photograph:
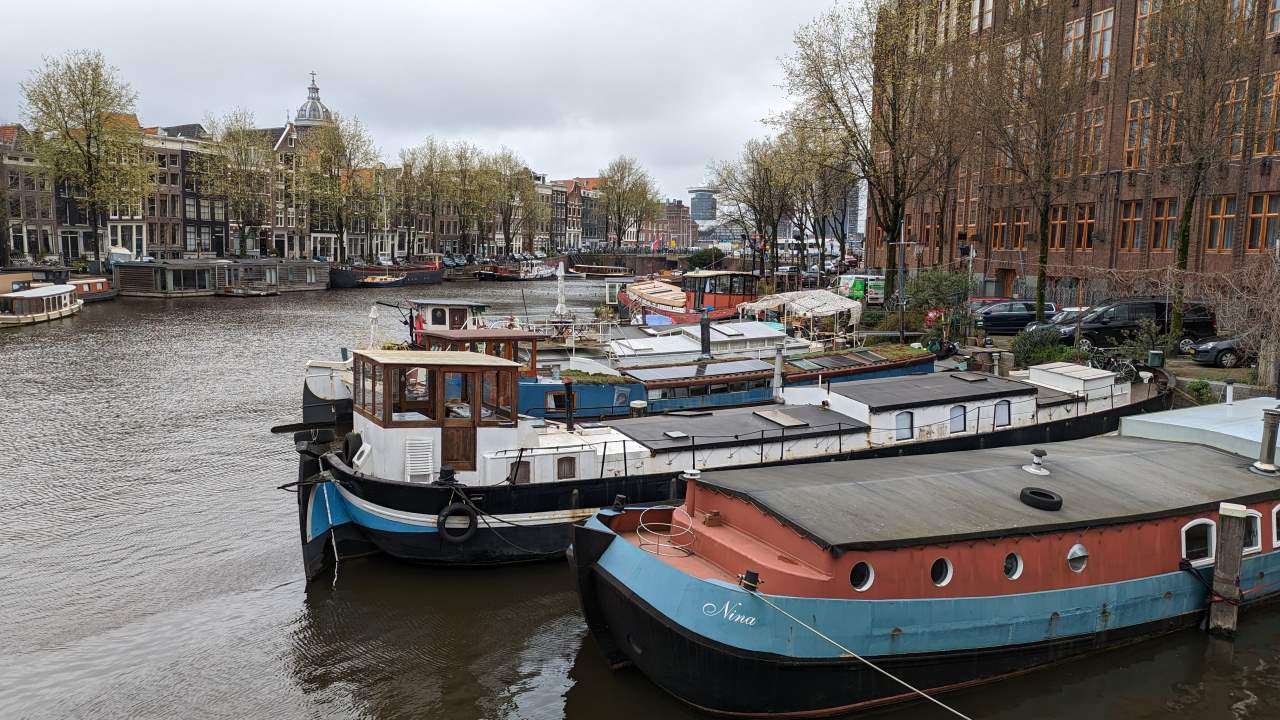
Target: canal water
(149, 567)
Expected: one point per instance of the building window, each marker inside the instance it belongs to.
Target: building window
(1268, 119)
(998, 226)
(191, 214)
(1020, 222)
(1100, 44)
(1222, 223)
(1231, 115)
(1073, 41)
(1002, 414)
(1065, 149)
(191, 238)
(966, 202)
(1091, 141)
(1137, 134)
(1142, 31)
(1086, 215)
(1264, 221)
(1058, 227)
(1253, 532)
(903, 422)
(1273, 18)
(1164, 219)
(1131, 226)
(566, 468)
(958, 419)
(1197, 541)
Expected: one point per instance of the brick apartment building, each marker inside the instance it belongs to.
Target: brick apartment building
(1113, 211)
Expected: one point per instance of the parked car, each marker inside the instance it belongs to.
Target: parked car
(1109, 323)
(977, 303)
(1064, 315)
(1007, 318)
(1224, 352)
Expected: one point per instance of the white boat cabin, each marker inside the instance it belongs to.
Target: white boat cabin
(38, 304)
(445, 314)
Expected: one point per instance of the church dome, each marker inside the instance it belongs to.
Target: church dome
(313, 112)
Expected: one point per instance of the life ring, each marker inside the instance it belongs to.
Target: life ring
(450, 533)
(1041, 499)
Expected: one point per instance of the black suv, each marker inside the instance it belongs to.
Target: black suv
(1109, 323)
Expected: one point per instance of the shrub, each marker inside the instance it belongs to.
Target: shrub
(706, 258)
(1042, 345)
(872, 317)
(1200, 392)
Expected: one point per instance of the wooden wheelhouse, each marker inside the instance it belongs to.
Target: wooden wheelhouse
(717, 288)
(456, 392)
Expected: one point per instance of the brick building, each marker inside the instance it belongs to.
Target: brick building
(1112, 209)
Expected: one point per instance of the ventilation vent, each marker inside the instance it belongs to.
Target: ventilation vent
(419, 460)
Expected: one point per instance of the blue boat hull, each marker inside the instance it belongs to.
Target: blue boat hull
(644, 613)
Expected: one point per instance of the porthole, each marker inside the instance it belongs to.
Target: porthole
(861, 576)
(1077, 557)
(1013, 566)
(941, 572)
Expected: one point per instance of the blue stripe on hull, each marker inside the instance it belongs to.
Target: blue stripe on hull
(729, 615)
(345, 512)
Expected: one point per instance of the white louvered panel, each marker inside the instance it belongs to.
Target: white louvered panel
(419, 460)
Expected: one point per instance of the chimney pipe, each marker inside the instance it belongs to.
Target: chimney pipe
(1266, 464)
(704, 327)
(1231, 391)
(777, 373)
(568, 404)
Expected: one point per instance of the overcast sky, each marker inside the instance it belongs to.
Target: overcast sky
(569, 85)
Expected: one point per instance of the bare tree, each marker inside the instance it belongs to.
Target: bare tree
(6, 242)
(1198, 56)
(330, 156)
(471, 187)
(757, 190)
(238, 169)
(1031, 82)
(628, 193)
(1239, 312)
(84, 133)
(865, 72)
(426, 167)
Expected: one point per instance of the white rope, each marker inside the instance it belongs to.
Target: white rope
(869, 664)
(333, 539)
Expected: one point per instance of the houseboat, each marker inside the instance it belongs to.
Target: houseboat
(528, 270)
(717, 291)
(395, 444)
(92, 289)
(855, 584)
(38, 304)
(377, 281)
(598, 271)
(194, 277)
(428, 271)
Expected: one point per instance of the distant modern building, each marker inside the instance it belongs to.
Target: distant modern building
(702, 204)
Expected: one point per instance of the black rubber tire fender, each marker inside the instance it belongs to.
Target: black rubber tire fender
(351, 444)
(1041, 499)
(453, 510)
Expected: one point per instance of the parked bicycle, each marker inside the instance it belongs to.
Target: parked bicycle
(1113, 361)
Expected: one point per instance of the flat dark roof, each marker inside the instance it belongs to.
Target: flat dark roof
(482, 334)
(896, 393)
(947, 497)
(698, 370)
(734, 426)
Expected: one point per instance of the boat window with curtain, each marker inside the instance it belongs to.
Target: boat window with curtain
(905, 425)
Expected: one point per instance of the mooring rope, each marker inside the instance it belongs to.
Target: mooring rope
(333, 538)
(868, 663)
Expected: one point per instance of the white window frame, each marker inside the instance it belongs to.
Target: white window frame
(1254, 515)
(910, 428)
(1275, 530)
(963, 418)
(1213, 541)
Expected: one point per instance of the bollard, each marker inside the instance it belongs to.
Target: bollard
(1231, 392)
(1226, 570)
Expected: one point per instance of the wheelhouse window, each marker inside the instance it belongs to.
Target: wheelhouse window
(1198, 541)
(457, 395)
(495, 397)
(958, 420)
(566, 468)
(414, 395)
(904, 423)
(1002, 413)
(1253, 532)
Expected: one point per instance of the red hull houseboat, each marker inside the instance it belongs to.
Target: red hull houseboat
(826, 588)
(719, 290)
